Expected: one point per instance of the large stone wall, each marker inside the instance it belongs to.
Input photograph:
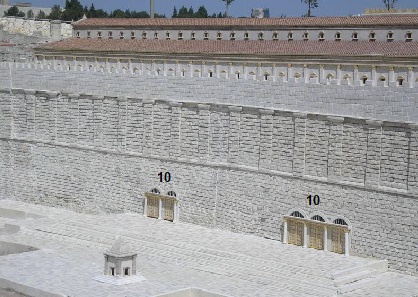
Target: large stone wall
(233, 167)
(392, 104)
(29, 27)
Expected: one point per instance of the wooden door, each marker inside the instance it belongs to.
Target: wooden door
(153, 207)
(316, 236)
(338, 240)
(295, 233)
(168, 205)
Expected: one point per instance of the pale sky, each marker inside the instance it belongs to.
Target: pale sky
(290, 8)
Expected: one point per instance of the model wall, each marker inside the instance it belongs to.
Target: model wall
(236, 168)
(395, 104)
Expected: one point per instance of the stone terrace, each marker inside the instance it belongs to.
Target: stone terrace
(177, 256)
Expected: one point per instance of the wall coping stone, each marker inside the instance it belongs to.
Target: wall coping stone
(374, 123)
(300, 115)
(235, 108)
(266, 111)
(175, 104)
(335, 119)
(204, 106)
(148, 101)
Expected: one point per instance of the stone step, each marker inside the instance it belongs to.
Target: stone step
(362, 283)
(355, 277)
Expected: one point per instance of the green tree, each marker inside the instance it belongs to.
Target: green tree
(190, 13)
(174, 13)
(202, 12)
(183, 12)
(311, 5)
(389, 4)
(30, 14)
(56, 13)
(14, 11)
(41, 15)
(227, 3)
(73, 10)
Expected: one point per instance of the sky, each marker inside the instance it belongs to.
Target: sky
(289, 8)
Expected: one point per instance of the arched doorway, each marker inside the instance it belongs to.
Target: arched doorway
(339, 237)
(316, 233)
(296, 229)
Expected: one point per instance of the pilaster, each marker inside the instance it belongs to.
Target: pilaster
(374, 147)
(148, 125)
(234, 133)
(411, 77)
(299, 143)
(204, 121)
(175, 129)
(266, 139)
(335, 147)
(413, 159)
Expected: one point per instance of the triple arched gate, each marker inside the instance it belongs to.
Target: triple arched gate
(317, 233)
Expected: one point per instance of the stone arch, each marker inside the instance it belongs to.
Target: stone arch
(237, 74)
(183, 72)
(337, 35)
(102, 68)
(293, 213)
(197, 70)
(347, 77)
(330, 76)
(364, 78)
(382, 78)
(282, 74)
(321, 35)
(400, 81)
(318, 216)
(252, 73)
(91, 67)
(313, 75)
(341, 220)
(210, 73)
(135, 70)
(266, 75)
(171, 193)
(155, 191)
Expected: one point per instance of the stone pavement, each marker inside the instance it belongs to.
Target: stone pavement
(173, 257)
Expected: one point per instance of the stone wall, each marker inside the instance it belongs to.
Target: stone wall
(390, 104)
(29, 27)
(233, 167)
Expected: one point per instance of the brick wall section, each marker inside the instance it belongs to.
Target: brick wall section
(388, 104)
(232, 167)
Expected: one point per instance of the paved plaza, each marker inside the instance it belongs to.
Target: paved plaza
(174, 257)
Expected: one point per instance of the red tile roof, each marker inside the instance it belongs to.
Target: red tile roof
(352, 21)
(259, 48)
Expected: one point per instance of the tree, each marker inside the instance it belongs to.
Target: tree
(73, 10)
(41, 15)
(227, 3)
(30, 14)
(56, 13)
(311, 5)
(174, 13)
(183, 12)
(202, 12)
(14, 11)
(389, 4)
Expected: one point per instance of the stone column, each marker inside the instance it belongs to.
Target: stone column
(204, 122)
(338, 74)
(299, 143)
(413, 159)
(356, 78)
(305, 235)
(411, 77)
(335, 147)
(325, 238)
(266, 139)
(106, 265)
(175, 143)
(347, 242)
(134, 264)
(234, 134)
(145, 206)
(305, 73)
(118, 268)
(285, 231)
(374, 143)
(374, 78)
(392, 80)
(148, 125)
(321, 73)
(289, 72)
(176, 212)
(160, 209)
